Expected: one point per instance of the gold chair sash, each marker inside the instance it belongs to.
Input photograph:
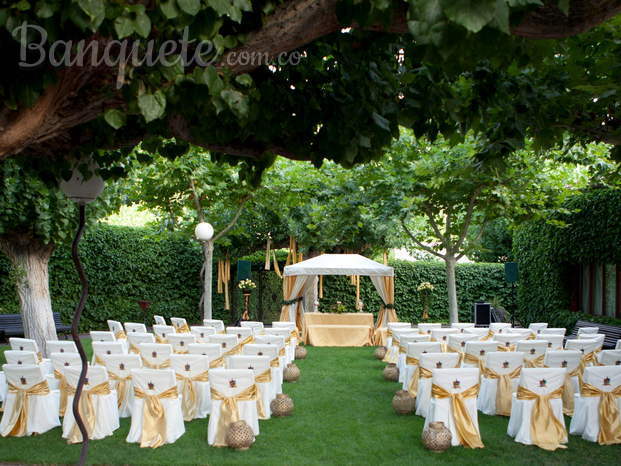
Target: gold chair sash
(471, 359)
(189, 402)
(532, 336)
(568, 390)
(402, 349)
(535, 362)
(392, 353)
(459, 352)
(264, 377)
(506, 348)
(281, 352)
(609, 422)
(121, 386)
(179, 351)
(151, 365)
(489, 335)
(413, 386)
(504, 389)
(99, 361)
(275, 362)
(63, 387)
(133, 349)
(87, 410)
(120, 335)
(228, 410)
(18, 419)
(218, 362)
(468, 434)
(546, 431)
(182, 328)
(237, 349)
(418, 373)
(160, 339)
(154, 417)
(40, 357)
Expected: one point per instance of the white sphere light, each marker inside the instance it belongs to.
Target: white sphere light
(203, 231)
(80, 190)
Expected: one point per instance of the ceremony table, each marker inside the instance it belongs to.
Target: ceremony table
(346, 329)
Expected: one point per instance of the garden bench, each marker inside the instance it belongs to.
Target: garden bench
(612, 332)
(11, 325)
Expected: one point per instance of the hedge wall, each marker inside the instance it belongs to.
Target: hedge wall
(128, 264)
(547, 252)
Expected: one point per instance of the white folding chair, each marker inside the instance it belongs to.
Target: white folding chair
(161, 332)
(57, 381)
(180, 342)
(228, 343)
(134, 327)
(428, 363)
(105, 348)
(556, 330)
(28, 344)
(212, 351)
(442, 334)
(260, 365)
(600, 394)
(155, 391)
(404, 341)
(569, 360)
(588, 330)
(192, 372)
(271, 351)
(538, 327)
(506, 341)
(180, 324)
(28, 393)
(215, 323)
(117, 329)
(500, 327)
(555, 341)
(426, 327)
(119, 367)
(610, 358)
(102, 336)
(499, 377)
(134, 340)
(475, 352)
(201, 333)
(457, 342)
(480, 332)
(412, 361)
(155, 355)
(541, 387)
(588, 348)
(534, 351)
(462, 326)
(21, 358)
(159, 320)
(96, 395)
(392, 326)
(244, 334)
(462, 385)
(257, 327)
(289, 348)
(60, 346)
(235, 386)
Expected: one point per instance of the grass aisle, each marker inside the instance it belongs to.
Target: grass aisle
(343, 415)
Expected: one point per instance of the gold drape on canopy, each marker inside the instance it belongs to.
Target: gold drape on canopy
(609, 422)
(18, 420)
(546, 431)
(293, 257)
(468, 434)
(229, 412)
(154, 417)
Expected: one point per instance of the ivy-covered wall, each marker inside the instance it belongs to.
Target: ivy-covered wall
(546, 253)
(125, 265)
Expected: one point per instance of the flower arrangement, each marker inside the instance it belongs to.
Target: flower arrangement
(246, 286)
(425, 289)
(339, 307)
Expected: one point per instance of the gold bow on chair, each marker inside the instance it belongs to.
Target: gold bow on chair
(99, 360)
(450, 349)
(133, 349)
(160, 339)
(18, 419)
(154, 417)
(472, 359)
(506, 348)
(121, 386)
(189, 404)
(229, 412)
(218, 362)
(237, 349)
(183, 328)
(87, 410)
(180, 351)
(63, 388)
(120, 335)
(151, 365)
(264, 377)
(468, 434)
(504, 389)
(568, 390)
(489, 335)
(418, 373)
(249, 339)
(535, 362)
(546, 431)
(609, 422)
(275, 362)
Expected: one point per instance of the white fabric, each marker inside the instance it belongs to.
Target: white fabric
(180, 341)
(211, 350)
(105, 406)
(462, 325)
(556, 331)
(432, 361)
(501, 362)
(521, 410)
(139, 337)
(339, 264)
(163, 331)
(599, 337)
(241, 332)
(159, 320)
(271, 351)
(133, 327)
(555, 341)
(585, 421)
(215, 323)
(155, 354)
(532, 348)
(610, 357)
(500, 327)
(121, 365)
(426, 327)
(60, 346)
(26, 358)
(257, 327)
(226, 342)
(478, 331)
(457, 341)
(98, 335)
(507, 339)
(618, 345)
(43, 412)
(441, 409)
(259, 365)
(290, 353)
(115, 326)
(160, 380)
(230, 382)
(589, 330)
(3, 387)
(523, 332)
(191, 365)
(178, 322)
(416, 350)
(585, 346)
(27, 344)
(404, 341)
(538, 327)
(62, 360)
(201, 332)
(565, 359)
(479, 349)
(103, 348)
(392, 326)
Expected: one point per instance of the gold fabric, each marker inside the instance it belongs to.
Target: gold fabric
(121, 386)
(250, 339)
(229, 412)
(180, 351)
(471, 359)
(218, 362)
(506, 348)
(154, 417)
(133, 349)
(99, 360)
(413, 386)
(275, 362)
(182, 328)
(460, 353)
(535, 362)
(489, 335)
(504, 389)
(546, 431)
(609, 422)
(468, 434)
(18, 419)
(87, 410)
(264, 377)
(63, 388)
(418, 373)
(160, 339)
(237, 349)
(151, 365)
(568, 390)
(189, 402)
(120, 335)
(347, 329)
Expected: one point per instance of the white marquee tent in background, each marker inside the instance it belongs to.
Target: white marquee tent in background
(303, 276)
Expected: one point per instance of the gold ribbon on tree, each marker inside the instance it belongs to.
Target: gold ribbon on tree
(504, 389)
(224, 277)
(467, 433)
(546, 431)
(189, 403)
(609, 422)
(63, 388)
(18, 419)
(87, 410)
(122, 387)
(154, 417)
(229, 412)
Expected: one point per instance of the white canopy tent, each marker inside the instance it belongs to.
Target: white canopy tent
(303, 276)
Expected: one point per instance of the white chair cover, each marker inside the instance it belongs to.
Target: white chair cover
(230, 382)
(62, 360)
(556, 330)
(618, 345)
(289, 348)
(480, 332)
(159, 320)
(507, 340)
(180, 342)
(404, 341)
(292, 334)
(586, 420)
(569, 360)
(501, 362)
(154, 382)
(119, 367)
(27, 344)
(538, 327)
(134, 340)
(525, 333)
(462, 325)
(42, 409)
(106, 348)
(134, 327)
(589, 330)
(392, 326)
(476, 351)
(610, 357)
(584, 345)
(180, 324)
(25, 358)
(215, 323)
(432, 361)
(4, 388)
(257, 327)
(442, 334)
(119, 332)
(162, 331)
(259, 365)
(598, 337)
(457, 342)
(534, 351)
(102, 336)
(60, 346)
(188, 367)
(105, 407)
(211, 350)
(555, 341)
(416, 350)
(201, 332)
(271, 351)
(155, 355)
(441, 409)
(241, 332)
(426, 327)
(226, 342)
(541, 381)
(500, 327)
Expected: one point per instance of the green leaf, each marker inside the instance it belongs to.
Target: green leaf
(95, 10)
(471, 14)
(236, 101)
(123, 26)
(142, 25)
(563, 5)
(222, 7)
(152, 106)
(501, 18)
(381, 121)
(115, 118)
(244, 79)
(213, 81)
(44, 10)
(191, 7)
(169, 9)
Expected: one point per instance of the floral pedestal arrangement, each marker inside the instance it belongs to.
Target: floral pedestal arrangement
(246, 287)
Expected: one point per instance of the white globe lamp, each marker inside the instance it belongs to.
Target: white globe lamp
(83, 190)
(203, 231)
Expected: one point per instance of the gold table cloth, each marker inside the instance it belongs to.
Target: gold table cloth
(346, 329)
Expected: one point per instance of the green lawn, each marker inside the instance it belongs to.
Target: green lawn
(343, 415)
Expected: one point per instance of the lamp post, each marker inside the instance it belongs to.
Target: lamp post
(81, 190)
(204, 233)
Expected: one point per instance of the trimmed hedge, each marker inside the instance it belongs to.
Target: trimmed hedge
(127, 264)
(546, 253)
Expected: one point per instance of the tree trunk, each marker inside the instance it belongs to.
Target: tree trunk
(29, 258)
(208, 250)
(452, 289)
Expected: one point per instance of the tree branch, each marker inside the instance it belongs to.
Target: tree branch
(468, 219)
(197, 202)
(418, 243)
(434, 226)
(234, 220)
(477, 238)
